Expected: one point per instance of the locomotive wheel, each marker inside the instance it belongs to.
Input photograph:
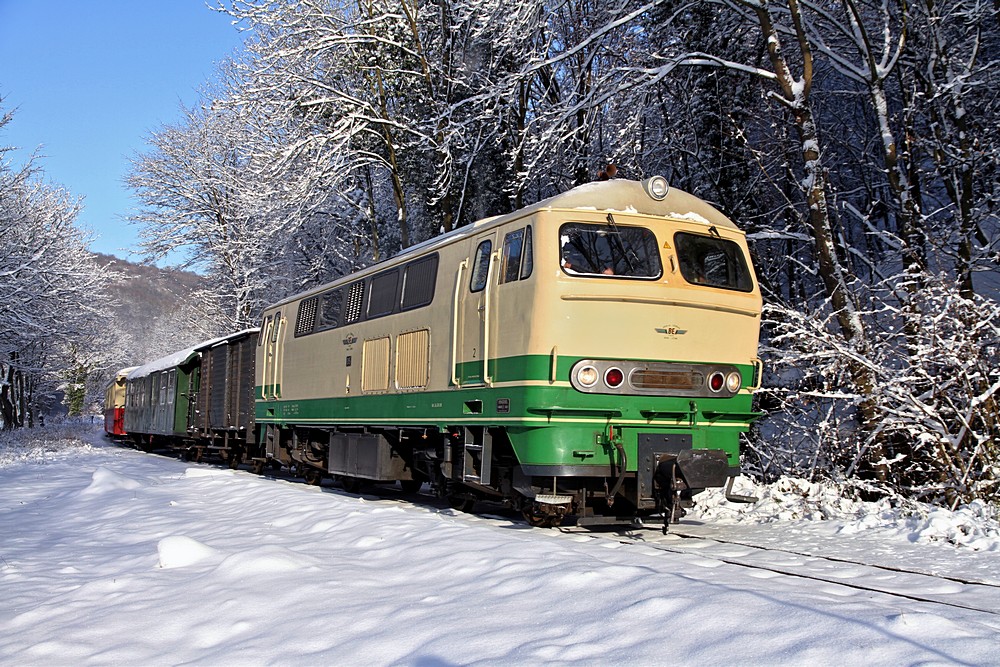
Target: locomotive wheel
(538, 520)
(257, 467)
(461, 503)
(411, 485)
(351, 484)
(313, 476)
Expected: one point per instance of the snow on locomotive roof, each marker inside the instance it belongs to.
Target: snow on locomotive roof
(613, 196)
(631, 197)
(183, 356)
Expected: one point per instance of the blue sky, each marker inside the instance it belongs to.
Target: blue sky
(89, 80)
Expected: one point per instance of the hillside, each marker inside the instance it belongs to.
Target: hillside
(156, 311)
(146, 290)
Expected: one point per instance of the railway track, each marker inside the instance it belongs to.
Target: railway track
(957, 592)
(903, 583)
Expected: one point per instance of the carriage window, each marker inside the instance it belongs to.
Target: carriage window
(418, 282)
(609, 250)
(481, 268)
(713, 262)
(510, 266)
(383, 294)
(171, 384)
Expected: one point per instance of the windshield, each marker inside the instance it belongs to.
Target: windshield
(609, 250)
(712, 261)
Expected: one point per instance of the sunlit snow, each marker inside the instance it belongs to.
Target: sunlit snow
(111, 556)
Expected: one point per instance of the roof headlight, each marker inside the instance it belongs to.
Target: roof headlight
(656, 187)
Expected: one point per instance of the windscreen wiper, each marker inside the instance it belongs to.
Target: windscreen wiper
(621, 244)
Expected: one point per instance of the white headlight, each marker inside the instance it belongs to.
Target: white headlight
(587, 376)
(733, 382)
(656, 187)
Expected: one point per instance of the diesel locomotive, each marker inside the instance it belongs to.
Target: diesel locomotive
(590, 357)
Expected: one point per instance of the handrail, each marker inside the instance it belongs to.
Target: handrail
(454, 317)
(279, 351)
(494, 257)
(758, 369)
(268, 351)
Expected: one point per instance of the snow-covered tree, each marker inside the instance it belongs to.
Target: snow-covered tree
(201, 194)
(51, 291)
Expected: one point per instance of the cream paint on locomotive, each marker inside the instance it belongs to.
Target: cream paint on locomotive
(550, 313)
(496, 321)
(316, 365)
(666, 319)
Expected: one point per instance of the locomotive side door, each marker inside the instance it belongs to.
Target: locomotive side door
(475, 282)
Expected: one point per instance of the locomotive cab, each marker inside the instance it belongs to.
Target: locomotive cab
(646, 319)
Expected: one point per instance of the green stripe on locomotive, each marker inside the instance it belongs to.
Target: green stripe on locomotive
(548, 424)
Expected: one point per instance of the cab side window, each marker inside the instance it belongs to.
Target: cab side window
(481, 267)
(517, 262)
(265, 330)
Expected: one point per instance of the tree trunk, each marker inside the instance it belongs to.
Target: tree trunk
(795, 95)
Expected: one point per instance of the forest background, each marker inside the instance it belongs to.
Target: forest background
(854, 141)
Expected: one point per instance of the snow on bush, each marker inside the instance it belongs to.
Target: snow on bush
(40, 445)
(975, 526)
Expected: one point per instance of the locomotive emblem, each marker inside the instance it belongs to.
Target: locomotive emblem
(671, 331)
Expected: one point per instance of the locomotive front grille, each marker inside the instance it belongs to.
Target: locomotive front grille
(647, 378)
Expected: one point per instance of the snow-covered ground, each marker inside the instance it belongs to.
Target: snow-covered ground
(111, 556)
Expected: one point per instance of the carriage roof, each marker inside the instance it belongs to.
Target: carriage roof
(184, 356)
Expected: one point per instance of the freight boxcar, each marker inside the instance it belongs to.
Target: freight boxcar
(221, 416)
